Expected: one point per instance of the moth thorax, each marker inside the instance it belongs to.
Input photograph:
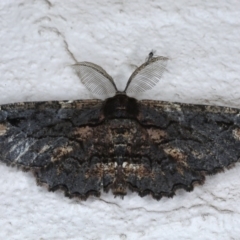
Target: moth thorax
(121, 106)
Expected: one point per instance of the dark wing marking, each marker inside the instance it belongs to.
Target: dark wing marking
(95, 78)
(147, 75)
(51, 138)
(186, 142)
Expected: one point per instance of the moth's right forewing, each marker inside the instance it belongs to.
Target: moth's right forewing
(187, 142)
(209, 136)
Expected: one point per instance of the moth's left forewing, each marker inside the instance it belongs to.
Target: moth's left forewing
(27, 124)
(189, 141)
(44, 137)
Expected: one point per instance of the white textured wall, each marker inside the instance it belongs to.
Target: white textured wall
(38, 42)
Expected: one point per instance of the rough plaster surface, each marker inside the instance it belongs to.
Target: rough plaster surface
(40, 39)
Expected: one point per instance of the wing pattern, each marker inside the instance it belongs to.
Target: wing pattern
(38, 136)
(196, 140)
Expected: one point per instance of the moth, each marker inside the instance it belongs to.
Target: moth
(120, 143)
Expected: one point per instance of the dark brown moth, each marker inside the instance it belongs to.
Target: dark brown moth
(151, 147)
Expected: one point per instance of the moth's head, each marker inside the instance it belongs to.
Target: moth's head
(120, 106)
(101, 84)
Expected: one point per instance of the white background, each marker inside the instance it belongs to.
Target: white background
(39, 40)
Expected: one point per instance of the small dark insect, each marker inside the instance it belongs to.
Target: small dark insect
(150, 147)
